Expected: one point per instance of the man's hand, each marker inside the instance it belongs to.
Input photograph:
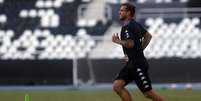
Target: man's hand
(125, 43)
(115, 38)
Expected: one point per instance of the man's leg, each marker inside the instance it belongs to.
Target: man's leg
(153, 96)
(119, 88)
(144, 83)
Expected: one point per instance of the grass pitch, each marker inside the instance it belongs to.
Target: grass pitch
(95, 95)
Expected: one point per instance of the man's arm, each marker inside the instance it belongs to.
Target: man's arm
(125, 43)
(146, 39)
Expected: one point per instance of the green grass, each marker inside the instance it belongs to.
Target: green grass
(95, 95)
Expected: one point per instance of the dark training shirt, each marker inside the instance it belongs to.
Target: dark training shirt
(135, 32)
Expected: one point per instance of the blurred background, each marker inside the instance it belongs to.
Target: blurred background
(66, 44)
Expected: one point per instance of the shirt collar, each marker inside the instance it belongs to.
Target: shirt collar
(127, 22)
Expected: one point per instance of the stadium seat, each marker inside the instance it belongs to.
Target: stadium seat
(3, 18)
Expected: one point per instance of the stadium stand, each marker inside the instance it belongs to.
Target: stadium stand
(67, 29)
(42, 29)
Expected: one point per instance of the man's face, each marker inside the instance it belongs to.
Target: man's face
(123, 13)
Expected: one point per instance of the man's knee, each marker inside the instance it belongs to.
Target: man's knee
(118, 85)
(148, 96)
(117, 88)
(152, 95)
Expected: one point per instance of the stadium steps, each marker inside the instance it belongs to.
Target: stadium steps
(105, 48)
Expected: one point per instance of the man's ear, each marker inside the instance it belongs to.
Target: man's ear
(128, 13)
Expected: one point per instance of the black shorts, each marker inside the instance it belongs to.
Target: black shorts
(136, 72)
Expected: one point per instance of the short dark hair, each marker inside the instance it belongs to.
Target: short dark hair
(129, 7)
